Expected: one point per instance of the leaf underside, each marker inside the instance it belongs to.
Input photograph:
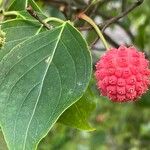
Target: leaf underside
(78, 114)
(41, 76)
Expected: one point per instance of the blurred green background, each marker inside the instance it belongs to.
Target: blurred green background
(124, 126)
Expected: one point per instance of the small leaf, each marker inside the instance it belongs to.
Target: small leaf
(54, 12)
(77, 115)
(39, 80)
(19, 5)
(34, 6)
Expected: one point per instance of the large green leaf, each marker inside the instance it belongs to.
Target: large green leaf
(39, 79)
(78, 114)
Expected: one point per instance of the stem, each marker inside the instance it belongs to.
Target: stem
(53, 19)
(13, 13)
(93, 24)
(34, 15)
(43, 22)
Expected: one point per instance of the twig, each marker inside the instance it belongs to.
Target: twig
(90, 5)
(121, 24)
(114, 19)
(101, 25)
(33, 14)
(110, 21)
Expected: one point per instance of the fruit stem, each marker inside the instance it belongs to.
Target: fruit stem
(93, 24)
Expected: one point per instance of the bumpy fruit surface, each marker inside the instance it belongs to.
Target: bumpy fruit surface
(122, 74)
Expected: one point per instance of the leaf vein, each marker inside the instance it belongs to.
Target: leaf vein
(17, 114)
(23, 59)
(58, 40)
(82, 52)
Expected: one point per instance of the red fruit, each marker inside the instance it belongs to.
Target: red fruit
(123, 74)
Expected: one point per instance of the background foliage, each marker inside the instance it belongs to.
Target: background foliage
(118, 126)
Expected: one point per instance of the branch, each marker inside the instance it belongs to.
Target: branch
(114, 19)
(108, 22)
(33, 14)
(120, 24)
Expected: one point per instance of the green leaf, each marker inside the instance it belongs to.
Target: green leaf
(15, 26)
(77, 115)
(3, 145)
(40, 78)
(12, 28)
(91, 37)
(54, 12)
(19, 5)
(34, 6)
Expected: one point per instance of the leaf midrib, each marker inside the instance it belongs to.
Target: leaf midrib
(41, 87)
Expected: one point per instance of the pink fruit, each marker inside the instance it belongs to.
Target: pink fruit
(123, 74)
